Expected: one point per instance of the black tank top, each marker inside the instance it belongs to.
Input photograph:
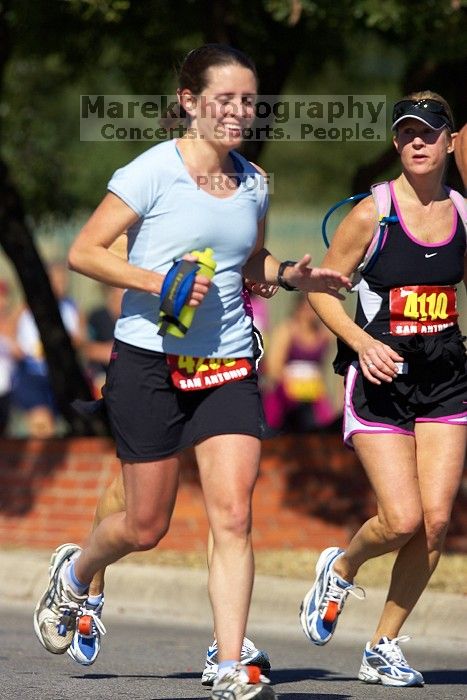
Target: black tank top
(405, 261)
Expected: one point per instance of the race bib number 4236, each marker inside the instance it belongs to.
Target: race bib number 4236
(422, 309)
(194, 373)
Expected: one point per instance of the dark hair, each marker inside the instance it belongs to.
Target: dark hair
(193, 71)
(193, 75)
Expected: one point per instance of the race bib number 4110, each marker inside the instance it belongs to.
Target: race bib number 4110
(422, 309)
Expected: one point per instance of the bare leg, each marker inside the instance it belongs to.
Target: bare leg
(210, 548)
(228, 467)
(150, 491)
(440, 460)
(390, 464)
(111, 501)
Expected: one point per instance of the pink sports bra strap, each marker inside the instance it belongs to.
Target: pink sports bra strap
(459, 202)
(382, 198)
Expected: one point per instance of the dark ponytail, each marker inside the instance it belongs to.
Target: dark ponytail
(193, 71)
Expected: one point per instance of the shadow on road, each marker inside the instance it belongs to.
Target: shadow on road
(277, 677)
(294, 675)
(107, 676)
(445, 676)
(312, 696)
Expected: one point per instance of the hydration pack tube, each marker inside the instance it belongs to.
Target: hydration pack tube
(347, 200)
(382, 198)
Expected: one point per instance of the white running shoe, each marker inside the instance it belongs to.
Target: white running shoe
(86, 644)
(385, 663)
(243, 683)
(250, 656)
(324, 601)
(56, 612)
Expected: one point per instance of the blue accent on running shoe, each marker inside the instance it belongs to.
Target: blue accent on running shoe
(385, 663)
(211, 653)
(324, 601)
(250, 655)
(85, 648)
(325, 628)
(56, 612)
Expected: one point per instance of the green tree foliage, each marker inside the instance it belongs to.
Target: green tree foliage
(53, 50)
(63, 48)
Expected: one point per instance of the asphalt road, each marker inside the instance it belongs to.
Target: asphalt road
(144, 660)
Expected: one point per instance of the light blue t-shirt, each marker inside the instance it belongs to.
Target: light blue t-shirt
(176, 218)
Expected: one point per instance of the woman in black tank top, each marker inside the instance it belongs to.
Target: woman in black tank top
(406, 384)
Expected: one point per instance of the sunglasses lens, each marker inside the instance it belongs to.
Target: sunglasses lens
(400, 108)
(429, 105)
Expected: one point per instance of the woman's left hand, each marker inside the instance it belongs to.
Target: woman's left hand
(317, 279)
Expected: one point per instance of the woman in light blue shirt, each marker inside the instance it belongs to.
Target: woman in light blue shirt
(165, 393)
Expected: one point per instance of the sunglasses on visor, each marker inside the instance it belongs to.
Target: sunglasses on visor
(426, 105)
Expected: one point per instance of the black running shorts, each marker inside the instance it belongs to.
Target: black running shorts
(432, 393)
(151, 420)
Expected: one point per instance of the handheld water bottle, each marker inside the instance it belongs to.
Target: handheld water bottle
(177, 324)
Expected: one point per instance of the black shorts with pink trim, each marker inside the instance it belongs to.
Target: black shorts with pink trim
(432, 392)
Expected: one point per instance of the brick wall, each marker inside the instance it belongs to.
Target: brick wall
(311, 493)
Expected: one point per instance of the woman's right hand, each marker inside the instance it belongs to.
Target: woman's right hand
(378, 360)
(199, 290)
(200, 286)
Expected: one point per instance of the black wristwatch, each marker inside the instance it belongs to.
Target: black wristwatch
(280, 279)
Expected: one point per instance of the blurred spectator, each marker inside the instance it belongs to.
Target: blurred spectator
(33, 392)
(9, 353)
(97, 349)
(296, 397)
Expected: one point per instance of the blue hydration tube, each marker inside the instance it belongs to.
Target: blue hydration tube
(347, 200)
(384, 221)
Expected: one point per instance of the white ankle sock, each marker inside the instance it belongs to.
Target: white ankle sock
(95, 600)
(75, 584)
(225, 667)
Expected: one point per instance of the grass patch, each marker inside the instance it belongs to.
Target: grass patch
(449, 577)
